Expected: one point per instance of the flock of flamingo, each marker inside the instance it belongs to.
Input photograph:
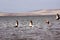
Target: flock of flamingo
(31, 23)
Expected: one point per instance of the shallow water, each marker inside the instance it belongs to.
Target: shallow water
(39, 31)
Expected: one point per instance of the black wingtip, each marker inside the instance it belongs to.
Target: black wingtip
(15, 26)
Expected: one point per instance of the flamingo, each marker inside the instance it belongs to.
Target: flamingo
(57, 16)
(16, 25)
(31, 23)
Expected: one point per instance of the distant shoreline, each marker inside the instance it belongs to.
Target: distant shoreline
(33, 13)
(28, 16)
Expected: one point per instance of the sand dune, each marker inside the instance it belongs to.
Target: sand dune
(32, 13)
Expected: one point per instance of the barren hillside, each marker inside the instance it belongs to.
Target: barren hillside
(33, 13)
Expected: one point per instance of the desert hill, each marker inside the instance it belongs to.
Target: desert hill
(33, 13)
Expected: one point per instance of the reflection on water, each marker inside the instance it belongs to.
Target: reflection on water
(39, 31)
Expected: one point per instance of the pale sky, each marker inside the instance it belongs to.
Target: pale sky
(27, 5)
